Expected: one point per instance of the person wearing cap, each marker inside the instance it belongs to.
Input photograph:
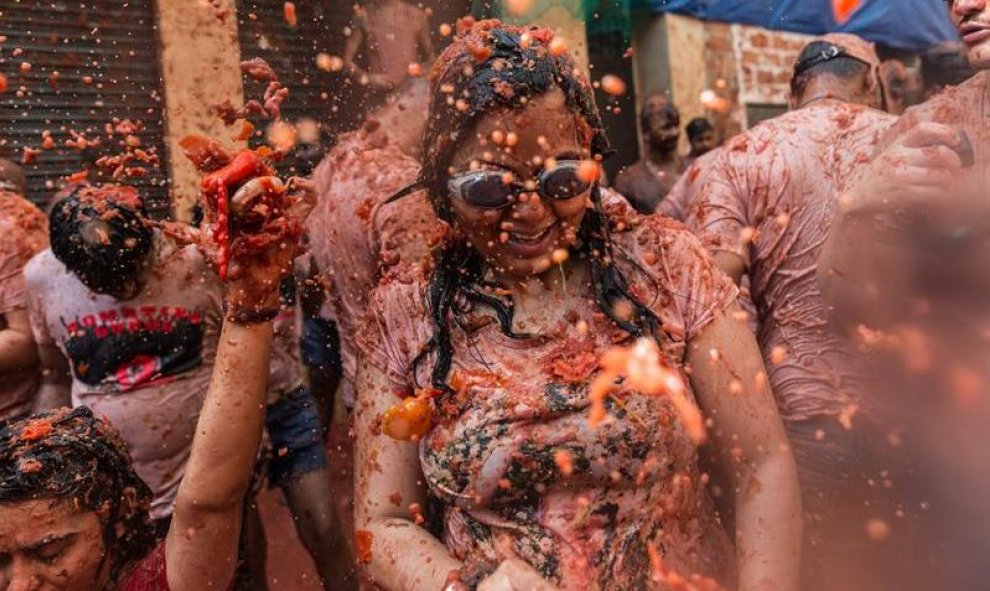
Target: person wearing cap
(23, 233)
(764, 212)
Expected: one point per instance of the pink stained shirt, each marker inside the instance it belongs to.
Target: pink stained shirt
(687, 189)
(490, 456)
(684, 196)
(354, 236)
(145, 364)
(770, 199)
(23, 233)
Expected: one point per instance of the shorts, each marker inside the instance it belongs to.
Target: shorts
(297, 437)
(320, 345)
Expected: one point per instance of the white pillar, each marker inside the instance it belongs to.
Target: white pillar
(200, 56)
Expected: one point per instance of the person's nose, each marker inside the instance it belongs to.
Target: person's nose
(23, 577)
(964, 8)
(530, 208)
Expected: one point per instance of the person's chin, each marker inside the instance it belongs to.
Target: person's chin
(665, 145)
(524, 267)
(979, 55)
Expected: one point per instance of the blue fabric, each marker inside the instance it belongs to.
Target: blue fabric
(320, 346)
(906, 24)
(297, 437)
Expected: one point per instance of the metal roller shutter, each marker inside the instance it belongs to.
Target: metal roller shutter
(112, 42)
(329, 98)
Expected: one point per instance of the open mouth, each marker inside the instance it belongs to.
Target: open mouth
(529, 244)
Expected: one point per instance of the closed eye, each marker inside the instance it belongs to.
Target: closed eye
(51, 549)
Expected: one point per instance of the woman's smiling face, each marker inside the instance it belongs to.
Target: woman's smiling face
(518, 240)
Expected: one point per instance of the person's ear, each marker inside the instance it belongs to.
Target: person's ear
(876, 89)
(128, 506)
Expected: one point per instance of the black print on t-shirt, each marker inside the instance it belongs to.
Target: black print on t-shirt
(130, 348)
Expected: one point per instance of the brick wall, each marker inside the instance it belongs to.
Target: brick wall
(719, 70)
(728, 115)
(765, 60)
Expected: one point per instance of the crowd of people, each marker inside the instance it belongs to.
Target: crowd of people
(756, 365)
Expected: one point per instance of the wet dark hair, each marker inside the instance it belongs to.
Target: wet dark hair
(945, 65)
(485, 69)
(98, 238)
(69, 455)
(841, 66)
(698, 126)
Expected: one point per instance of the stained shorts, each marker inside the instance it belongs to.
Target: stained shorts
(320, 345)
(296, 435)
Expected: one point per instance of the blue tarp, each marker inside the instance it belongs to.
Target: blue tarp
(906, 24)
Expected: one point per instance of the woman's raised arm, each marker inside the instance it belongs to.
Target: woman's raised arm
(202, 542)
(201, 549)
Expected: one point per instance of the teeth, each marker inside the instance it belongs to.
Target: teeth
(530, 239)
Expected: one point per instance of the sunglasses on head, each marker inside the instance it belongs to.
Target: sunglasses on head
(488, 189)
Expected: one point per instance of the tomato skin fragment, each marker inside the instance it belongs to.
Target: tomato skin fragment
(362, 546)
(289, 12)
(37, 429)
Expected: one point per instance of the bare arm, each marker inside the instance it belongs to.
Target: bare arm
(751, 444)
(207, 517)
(403, 555)
(56, 381)
(201, 546)
(17, 350)
(731, 264)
